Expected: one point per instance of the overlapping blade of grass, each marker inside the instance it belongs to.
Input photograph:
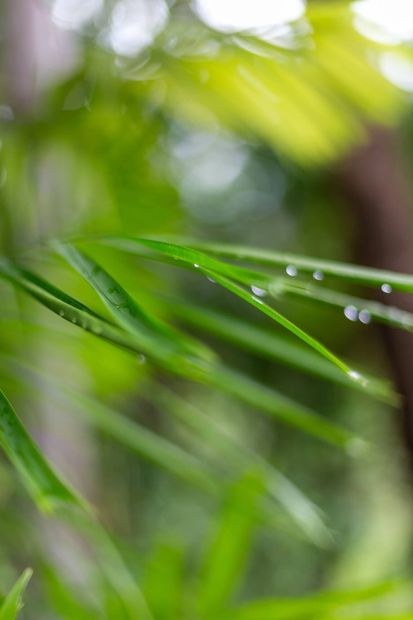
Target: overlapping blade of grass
(64, 600)
(184, 256)
(139, 340)
(164, 353)
(303, 264)
(142, 441)
(54, 495)
(127, 312)
(273, 346)
(43, 483)
(163, 583)
(226, 275)
(235, 454)
(13, 602)
(266, 283)
(261, 397)
(361, 309)
(68, 308)
(175, 460)
(226, 556)
(320, 605)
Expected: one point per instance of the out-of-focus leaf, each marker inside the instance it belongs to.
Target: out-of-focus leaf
(234, 453)
(319, 605)
(44, 484)
(51, 493)
(12, 604)
(65, 601)
(180, 463)
(291, 92)
(163, 583)
(226, 556)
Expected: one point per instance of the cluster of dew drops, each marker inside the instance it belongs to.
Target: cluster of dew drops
(350, 312)
(353, 314)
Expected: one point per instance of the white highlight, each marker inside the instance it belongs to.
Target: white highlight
(384, 21)
(397, 69)
(135, 24)
(236, 16)
(73, 14)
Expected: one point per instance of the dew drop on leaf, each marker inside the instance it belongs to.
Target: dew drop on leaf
(291, 270)
(364, 317)
(351, 313)
(386, 288)
(259, 292)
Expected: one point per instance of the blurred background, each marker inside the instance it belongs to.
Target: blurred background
(275, 124)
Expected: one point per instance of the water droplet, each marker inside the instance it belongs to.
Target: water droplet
(211, 280)
(386, 288)
(97, 329)
(74, 320)
(291, 270)
(259, 292)
(141, 359)
(318, 275)
(364, 317)
(196, 265)
(351, 313)
(61, 312)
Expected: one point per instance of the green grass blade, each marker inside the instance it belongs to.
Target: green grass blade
(12, 604)
(319, 605)
(225, 275)
(68, 308)
(273, 346)
(163, 584)
(52, 494)
(164, 353)
(233, 452)
(276, 316)
(175, 460)
(363, 310)
(226, 557)
(66, 603)
(126, 311)
(143, 442)
(43, 483)
(344, 271)
(271, 402)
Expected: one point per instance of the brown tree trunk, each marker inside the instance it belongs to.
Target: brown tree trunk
(374, 181)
